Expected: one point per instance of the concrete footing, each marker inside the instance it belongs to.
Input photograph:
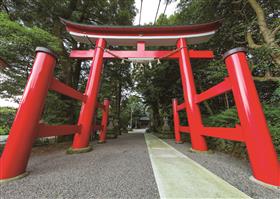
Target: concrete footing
(203, 152)
(252, 178)
(14, 178)
(80, 150)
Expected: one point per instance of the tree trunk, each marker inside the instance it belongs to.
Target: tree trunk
(268, 35)
(226, 101)
(156, 117)
(119, 96)
(76, 74)
(205, 103)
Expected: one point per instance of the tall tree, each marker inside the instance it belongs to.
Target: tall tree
(46, 14)
(268, 35)
(17, 44)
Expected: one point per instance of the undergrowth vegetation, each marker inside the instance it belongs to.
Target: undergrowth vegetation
(229, 118)
(6, 119)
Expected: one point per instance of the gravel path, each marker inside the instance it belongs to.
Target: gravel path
(120, 168)
(231, 169)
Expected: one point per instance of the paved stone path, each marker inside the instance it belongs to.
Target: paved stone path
(178, 176)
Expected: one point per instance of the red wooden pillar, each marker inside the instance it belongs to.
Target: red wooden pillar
(23, 132)
(176, 121)
(103, 129)
(262, 154)
(189, 91)
(81, 140)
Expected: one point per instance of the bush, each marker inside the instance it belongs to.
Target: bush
(229, 118)
(6, 119)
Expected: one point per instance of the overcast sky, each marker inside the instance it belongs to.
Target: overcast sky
(8, 102)
(149, 9)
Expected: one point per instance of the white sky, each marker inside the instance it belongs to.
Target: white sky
(8, 103)
(149, 9)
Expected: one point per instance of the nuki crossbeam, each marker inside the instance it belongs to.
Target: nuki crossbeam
(252, 130)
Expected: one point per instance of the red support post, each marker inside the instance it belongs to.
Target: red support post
(81, 140)
(262, 155)
(24, 129)
(176, 121)
(189, 91)
(103, 129)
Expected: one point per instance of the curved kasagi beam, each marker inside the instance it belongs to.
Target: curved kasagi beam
(151, 35)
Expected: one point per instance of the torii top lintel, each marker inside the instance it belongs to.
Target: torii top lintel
(151, 35)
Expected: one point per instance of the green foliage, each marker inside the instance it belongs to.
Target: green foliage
(17, 46)
(272, 113)
(226, 118)
(131, 106)
(55, 110)
(16, 38)
(229, 118)
(158, 87)
(275, 95)
(44, 15)
(238, 19)
(115, 85)
(6, 119)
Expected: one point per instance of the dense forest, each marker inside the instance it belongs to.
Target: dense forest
(147, 90)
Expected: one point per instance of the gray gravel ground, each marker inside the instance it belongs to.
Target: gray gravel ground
(231, 169)
(120, 168)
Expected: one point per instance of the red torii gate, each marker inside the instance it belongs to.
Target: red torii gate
(253, 129)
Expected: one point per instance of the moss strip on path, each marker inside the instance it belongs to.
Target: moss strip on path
(178, 176)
